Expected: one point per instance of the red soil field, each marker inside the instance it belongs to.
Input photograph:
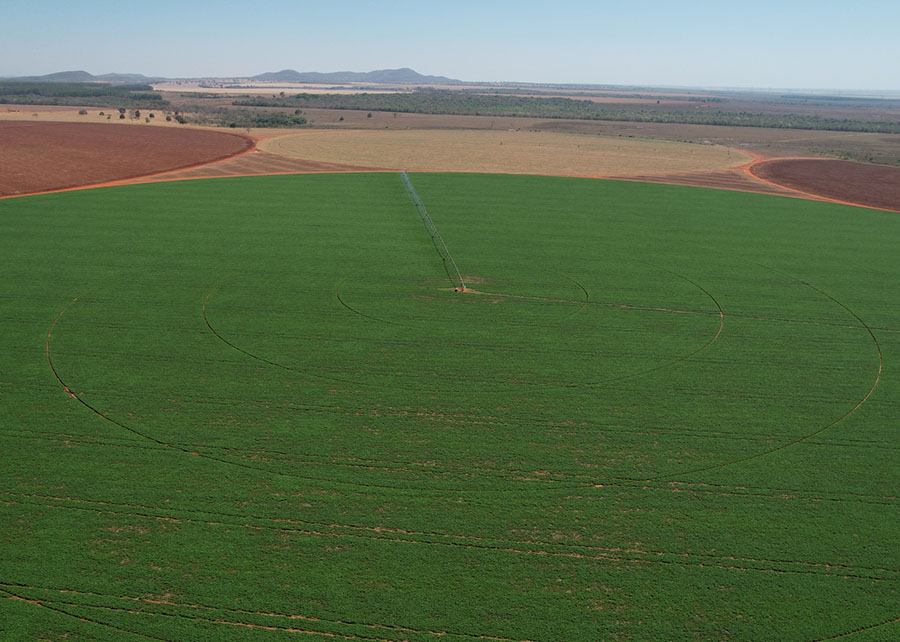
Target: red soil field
(38, 157)
(736, 179)
(870, 185)
(47, 156)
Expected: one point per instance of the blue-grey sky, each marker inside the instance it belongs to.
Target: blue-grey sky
(826, 44)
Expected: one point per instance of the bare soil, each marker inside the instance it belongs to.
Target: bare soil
(737, 179)
(47, 156)
(256, 163)
(843, 181)
(37, 155)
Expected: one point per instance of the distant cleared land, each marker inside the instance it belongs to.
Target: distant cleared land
(508, 152)
(452, 102)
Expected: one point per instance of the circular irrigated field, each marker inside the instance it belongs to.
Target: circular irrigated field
(42, 156)
(508, 152)
(255, 409)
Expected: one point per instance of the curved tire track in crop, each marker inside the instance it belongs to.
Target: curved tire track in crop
(586, 552)
(583, 303)
(4, 588)
(862, 629)
(170, 445)
(234, 612)
(818, 431)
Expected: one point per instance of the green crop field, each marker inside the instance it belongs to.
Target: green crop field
(255, 409)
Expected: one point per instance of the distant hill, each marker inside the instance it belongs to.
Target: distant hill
(138, 79)
(403, 76)
(83, 76)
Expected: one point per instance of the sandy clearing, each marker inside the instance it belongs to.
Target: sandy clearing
(508, 152)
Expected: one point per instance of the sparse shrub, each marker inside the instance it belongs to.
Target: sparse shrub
(82, 112)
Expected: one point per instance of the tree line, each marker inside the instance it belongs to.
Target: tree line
(97, 94)
(464, 104)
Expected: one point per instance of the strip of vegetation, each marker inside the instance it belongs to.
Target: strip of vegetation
(88, 94)
(567, 92)
(248, 118)
(457, 103)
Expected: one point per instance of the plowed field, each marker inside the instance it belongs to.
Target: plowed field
(871, 185)
(41, 156)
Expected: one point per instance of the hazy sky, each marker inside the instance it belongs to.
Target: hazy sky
(827, 44)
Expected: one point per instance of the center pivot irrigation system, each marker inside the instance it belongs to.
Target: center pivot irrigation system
(449, 264)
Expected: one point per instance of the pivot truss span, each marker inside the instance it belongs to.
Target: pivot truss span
(449, 264)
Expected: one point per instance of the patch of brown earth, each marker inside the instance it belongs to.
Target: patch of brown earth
(256, 163)
(730, 179)
(47, 156)
(843, 181)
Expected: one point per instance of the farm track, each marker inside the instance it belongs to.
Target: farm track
(591, 553)
(11, 588)
(164, 444)
(861, 629)
(583, 303)
(673, 362)
(4, 589)
(511, 474)
(823, 428)
(792, 177)
(261, 453)
(14, 591)
(229, 458)
(258, 163)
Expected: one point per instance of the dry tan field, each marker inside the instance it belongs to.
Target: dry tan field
(506, 152)
(699, 155)
(67, 114)
(766, 141)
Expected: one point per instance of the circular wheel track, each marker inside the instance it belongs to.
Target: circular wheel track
(582, 305)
